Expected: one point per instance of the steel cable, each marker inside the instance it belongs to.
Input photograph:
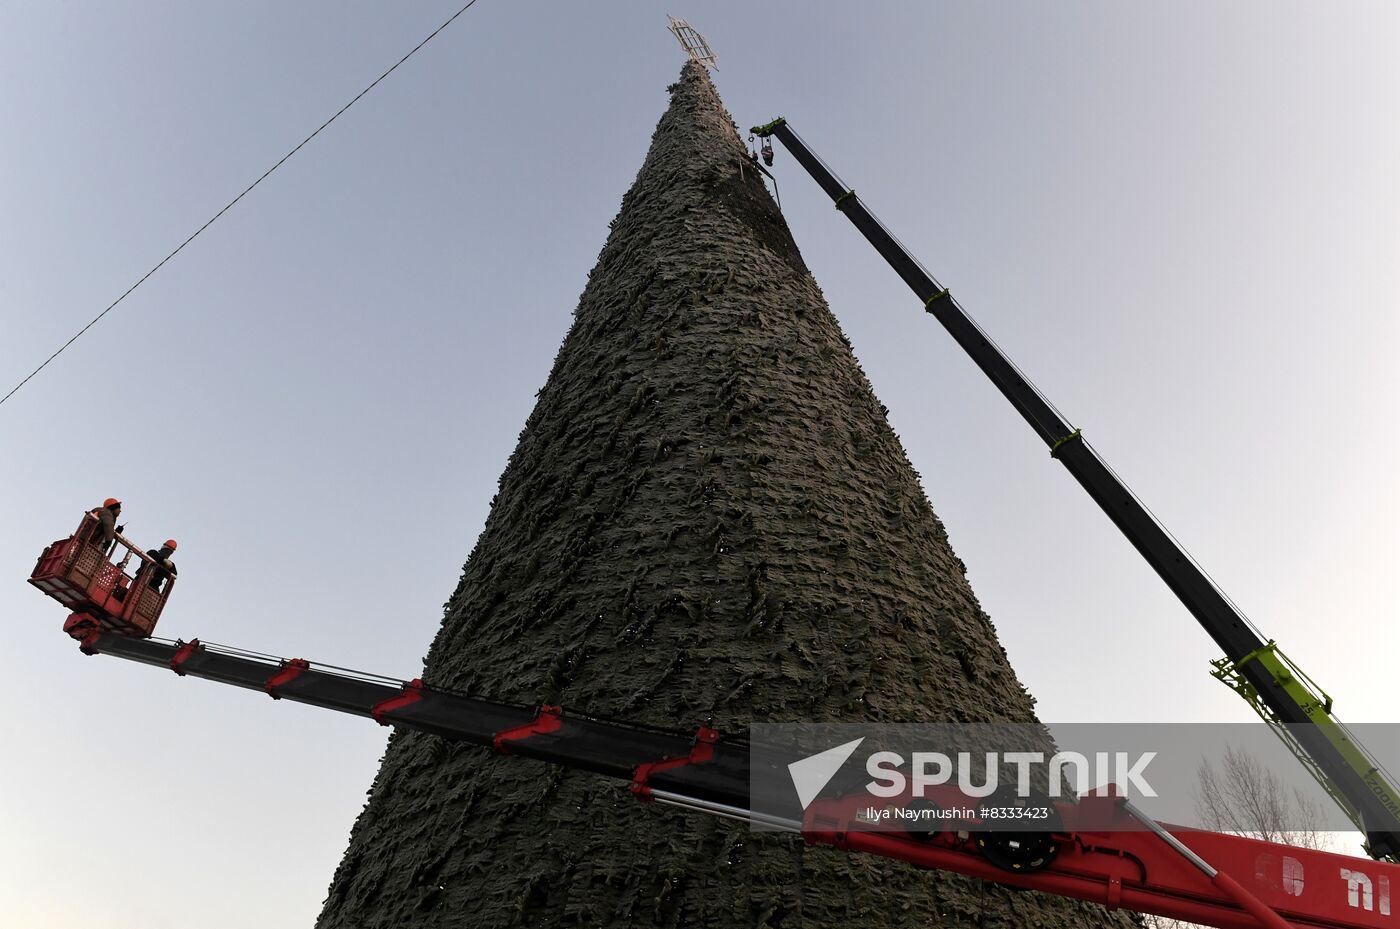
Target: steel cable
(228, 206)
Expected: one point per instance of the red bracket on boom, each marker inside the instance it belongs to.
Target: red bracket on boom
(412, 693)
(547, 719)
(86, 629)
(288, 673)
(182, 655)
(702, 750)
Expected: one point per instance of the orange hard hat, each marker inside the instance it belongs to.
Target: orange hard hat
(111, 501)
(170, 544)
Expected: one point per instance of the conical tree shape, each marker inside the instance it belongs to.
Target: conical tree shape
(707, 518)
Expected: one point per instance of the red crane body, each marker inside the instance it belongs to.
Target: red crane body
(1103, 851)
(1104, 858)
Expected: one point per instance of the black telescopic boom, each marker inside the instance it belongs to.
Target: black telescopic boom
(1212, 610)
(667, 759)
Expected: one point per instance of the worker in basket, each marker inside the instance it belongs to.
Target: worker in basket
(106, 530)
(163, 567)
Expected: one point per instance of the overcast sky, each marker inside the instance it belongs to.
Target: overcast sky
(1182, 220)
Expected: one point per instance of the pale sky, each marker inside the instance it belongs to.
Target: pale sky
(1182, 220)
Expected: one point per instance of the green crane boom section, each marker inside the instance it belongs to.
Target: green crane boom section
(1277, 690)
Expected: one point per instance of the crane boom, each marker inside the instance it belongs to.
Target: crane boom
(1107, 851)
(1282, 695)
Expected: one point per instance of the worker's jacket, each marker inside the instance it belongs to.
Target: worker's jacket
(162, 568)
(105, 531)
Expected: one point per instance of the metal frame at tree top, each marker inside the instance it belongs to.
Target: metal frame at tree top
(693, 42)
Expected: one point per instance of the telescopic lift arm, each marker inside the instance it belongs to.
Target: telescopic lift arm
(1107, 853)
(1286, 698)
